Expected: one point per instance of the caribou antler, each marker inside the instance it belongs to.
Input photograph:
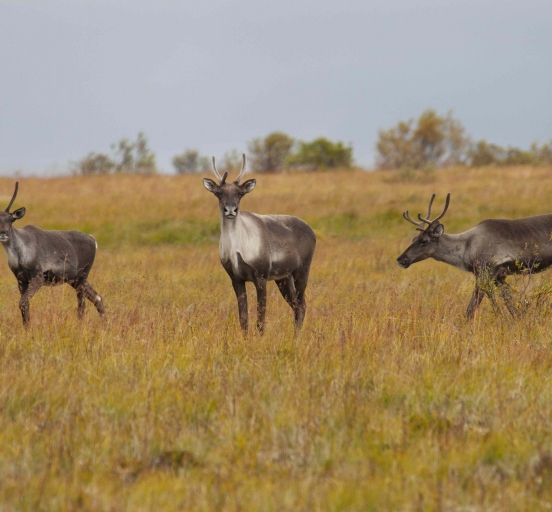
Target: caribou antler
(422, 220)
(427, 221)
(407, 217)
(447, 201)
(13, 197)
(428, 212)
(219, 177)
(222, 178)
(242, 170)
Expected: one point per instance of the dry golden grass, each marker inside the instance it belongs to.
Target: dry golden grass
(388, 400)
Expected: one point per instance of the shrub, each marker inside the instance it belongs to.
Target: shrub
(542, 154)
(94, 163)
(396, 147)
(134, 157)
(482, 153)
(129, 157)
(516, 156)
(437, 141)
(269, 154)
(190, 162)
(322, 153)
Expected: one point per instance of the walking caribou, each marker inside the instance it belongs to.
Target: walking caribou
(261, 248)
(492, 250)
(38, 257)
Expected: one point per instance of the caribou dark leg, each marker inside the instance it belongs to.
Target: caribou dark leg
(476, 299)
(93, 296)
(491, 296)
(499, 282)
(300, 279)
(28, 290)
(23, 287)
(85, 291)
(506, 292)
(287, 289)
(260, 285)
(81, 302)
(77, 285)
(241, 295)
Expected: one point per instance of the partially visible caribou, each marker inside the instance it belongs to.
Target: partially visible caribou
(492, 250)
(261, 248)
(38, 257)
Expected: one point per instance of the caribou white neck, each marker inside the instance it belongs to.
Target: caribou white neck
(15, 248)
(229, 227)
(240, 235)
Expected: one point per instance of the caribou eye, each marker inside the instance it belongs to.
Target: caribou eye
(423, 242)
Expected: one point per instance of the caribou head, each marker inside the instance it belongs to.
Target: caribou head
(7, 218)
(229, 194)
(427, 242)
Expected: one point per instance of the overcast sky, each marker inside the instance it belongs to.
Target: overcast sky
(76, 76)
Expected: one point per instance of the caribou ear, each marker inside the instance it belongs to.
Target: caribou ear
(18, 214)
(248, 186)
(210, 185)
(437, 231)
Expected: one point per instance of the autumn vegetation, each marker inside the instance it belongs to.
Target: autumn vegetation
(433, 141)
(274, 153)
(436, 141)
(387, 400)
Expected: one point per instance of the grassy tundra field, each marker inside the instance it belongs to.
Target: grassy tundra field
(388, 399)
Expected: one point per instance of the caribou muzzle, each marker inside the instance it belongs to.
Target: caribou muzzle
(230, 212)
(403, 261)
(4, 237)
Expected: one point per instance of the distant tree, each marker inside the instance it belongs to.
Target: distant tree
(322, 154)
(457, 143)
(124, 156)
(269, 154)
(396, 147)
(231, 162)
(94, 163)
(145, 159)
(542, 155)
(134, 157)
(191, 162)
(429, 139)
(517, 156)
(482, 154)
(435, 141)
